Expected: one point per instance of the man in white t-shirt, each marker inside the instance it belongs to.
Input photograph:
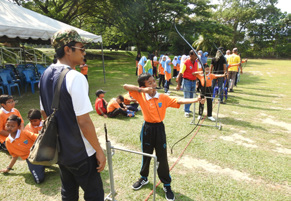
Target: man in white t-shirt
(81, 158)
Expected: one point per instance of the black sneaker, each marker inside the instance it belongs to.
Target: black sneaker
(169, 193)
(140, 183)
(3, 147)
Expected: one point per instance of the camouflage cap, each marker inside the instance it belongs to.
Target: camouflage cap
(65, 36)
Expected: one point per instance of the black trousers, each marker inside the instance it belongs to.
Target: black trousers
(82, 174)
(116, 112)
(162, 80)
(209, 101)
(153, 137)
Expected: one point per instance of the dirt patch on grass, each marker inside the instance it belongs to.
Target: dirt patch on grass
(282, 124)
(239, 140)
(191, 163)
(280, 148)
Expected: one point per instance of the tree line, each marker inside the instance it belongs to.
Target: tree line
(257, 27)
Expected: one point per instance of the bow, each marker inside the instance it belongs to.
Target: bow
(201, 95)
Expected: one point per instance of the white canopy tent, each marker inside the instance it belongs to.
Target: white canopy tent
(16, 21)
(23, 25)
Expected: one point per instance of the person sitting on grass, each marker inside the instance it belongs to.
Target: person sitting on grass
(6, 110)
(101, 103)
(130, 103)
(18, 144)
(116, 106)
(35, 121)
(153, 134)
(207, 90)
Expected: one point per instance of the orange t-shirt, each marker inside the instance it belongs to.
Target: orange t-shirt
(4, 116)
(84, 69)
(209, 79)
(127, 99)
(168, 76)
(154, 109)
(178, 67)
(156, 63)
(112, 105)
(33, 129)
(21, 146)
(161, 69)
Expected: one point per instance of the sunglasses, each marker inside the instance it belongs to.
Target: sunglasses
(82, 49)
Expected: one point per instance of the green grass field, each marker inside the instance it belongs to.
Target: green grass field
(249, 159)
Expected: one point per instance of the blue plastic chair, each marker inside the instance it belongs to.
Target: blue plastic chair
(40, 72)
(12, 76)
(1, 87)
(30, 79)
(39, 66)
(4, 77)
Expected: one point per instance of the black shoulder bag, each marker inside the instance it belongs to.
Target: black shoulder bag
(46, 148)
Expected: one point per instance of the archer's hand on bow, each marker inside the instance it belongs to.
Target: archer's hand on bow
(201, 100)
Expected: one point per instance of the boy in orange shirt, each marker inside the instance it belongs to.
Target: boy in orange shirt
(18, 144)
(116, 107)
(153, 134)
(35, 121)
(207, 90)
(6, 110)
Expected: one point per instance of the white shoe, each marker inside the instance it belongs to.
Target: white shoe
(199, 117)
(187, 115)
(167, 93)
(211, 118)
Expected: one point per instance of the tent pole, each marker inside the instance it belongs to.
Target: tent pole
(103, 61)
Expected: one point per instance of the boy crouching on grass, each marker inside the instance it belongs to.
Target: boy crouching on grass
(18, 144)
(7, 108)
(153, 134)
(35, 121)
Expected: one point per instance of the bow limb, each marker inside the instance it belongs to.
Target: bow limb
(204, 73)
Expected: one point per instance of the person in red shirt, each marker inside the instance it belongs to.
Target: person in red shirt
(100, 103)
(207, 90)
(188, 71)
(153, 136)
(35, 121)
(18, 144)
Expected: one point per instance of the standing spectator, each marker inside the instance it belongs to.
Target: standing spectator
(84, 69)
(168, 72)
(188, 71)
(155, 64)
(218, 66)
(81, 158)
(137, 58)
(141, 64)
(175, 66)
(234, 62)
(161, 71)
(204, 58)
(100, 103)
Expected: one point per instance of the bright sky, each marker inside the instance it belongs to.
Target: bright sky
(284, 5)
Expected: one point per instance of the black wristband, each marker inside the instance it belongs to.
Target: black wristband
(8, 168)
